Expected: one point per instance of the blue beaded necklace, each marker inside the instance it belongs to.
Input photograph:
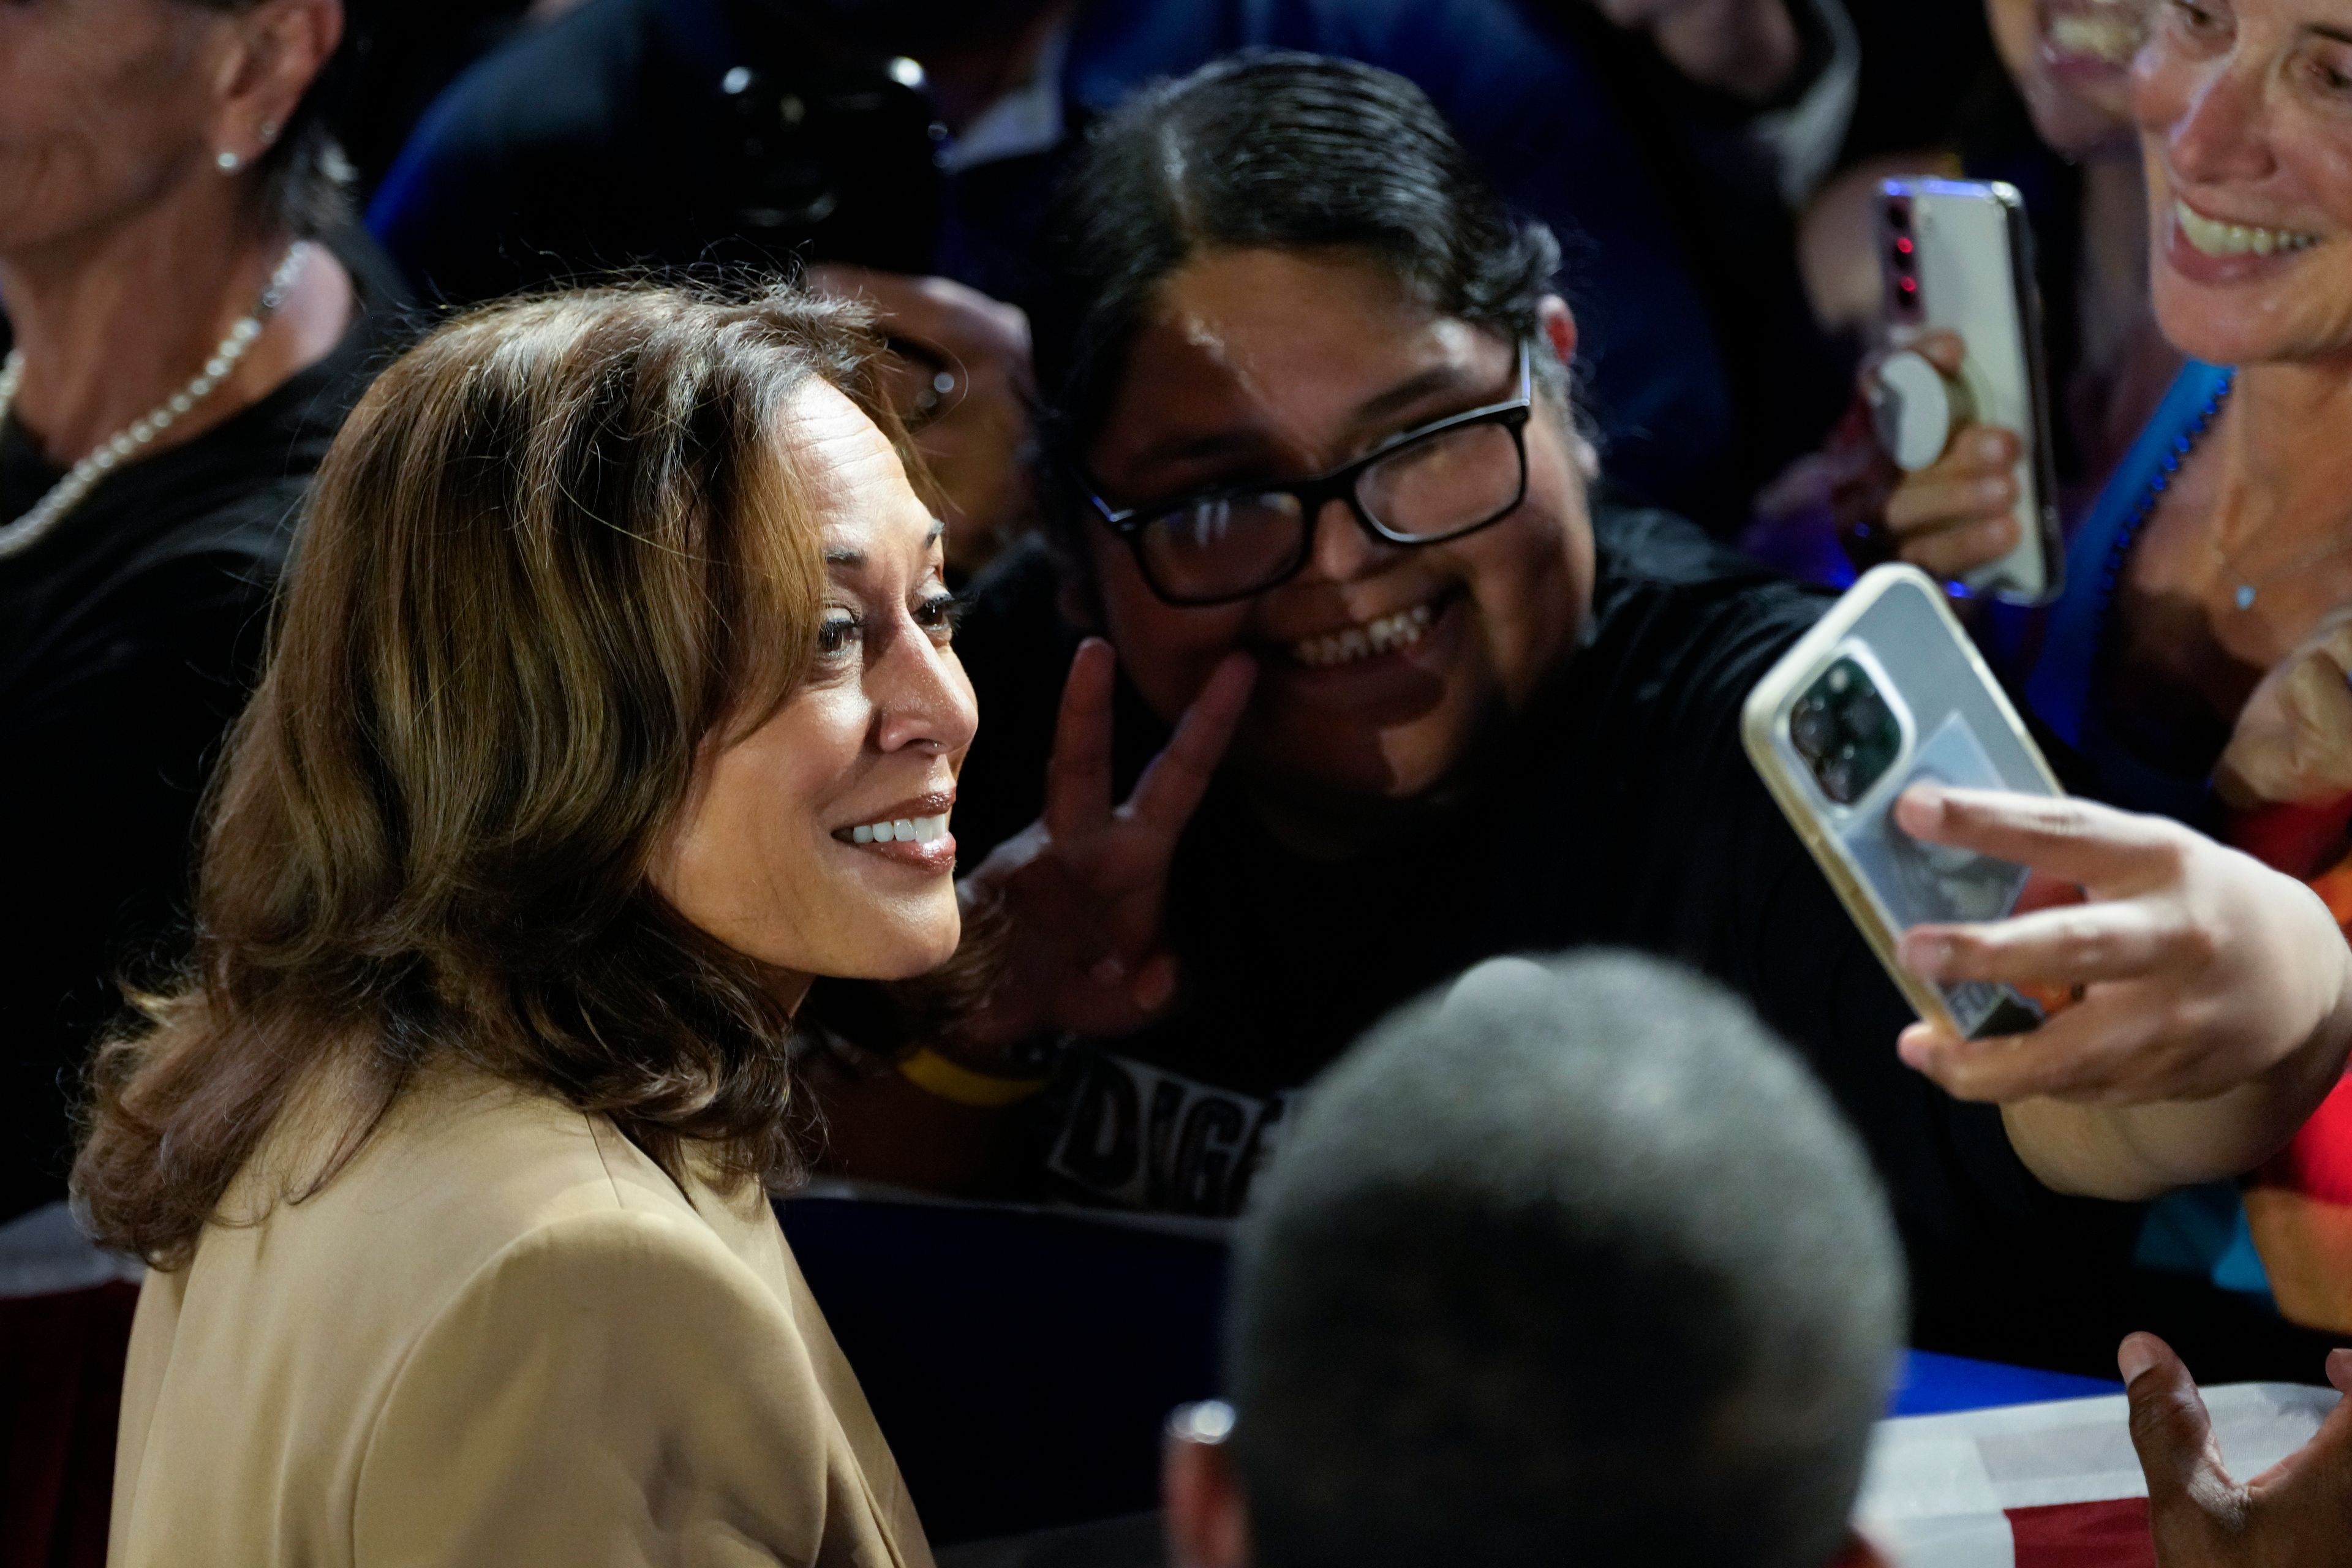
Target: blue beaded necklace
(2160, 482)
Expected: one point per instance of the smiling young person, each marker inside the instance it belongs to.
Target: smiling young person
(617, 621)
(1316, 482)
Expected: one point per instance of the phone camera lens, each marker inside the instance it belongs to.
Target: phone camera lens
(1813, 730)
(1845, 731)
(1837, 776)
(1866, 718)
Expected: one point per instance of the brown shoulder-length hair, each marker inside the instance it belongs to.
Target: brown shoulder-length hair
(559, 546)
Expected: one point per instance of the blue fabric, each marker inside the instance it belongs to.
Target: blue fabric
(2058, 690)
(1934, 1383)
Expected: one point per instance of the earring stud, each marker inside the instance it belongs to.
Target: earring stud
(228, 162)
(268, 129)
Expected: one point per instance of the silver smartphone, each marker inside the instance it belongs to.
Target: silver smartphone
(1957, 255)
(1887, 691)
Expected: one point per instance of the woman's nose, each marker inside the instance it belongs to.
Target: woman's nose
(922, 698)
(2221, 133)
(1344, 547)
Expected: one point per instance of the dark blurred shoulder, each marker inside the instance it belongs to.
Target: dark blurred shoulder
(1672, 605)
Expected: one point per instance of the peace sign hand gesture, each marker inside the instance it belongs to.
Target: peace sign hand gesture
(1082, 889)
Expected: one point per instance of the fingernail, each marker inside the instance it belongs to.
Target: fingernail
(1109, 972)
(1911, 1047)
(1992, 445)
(1921, 808)
(2133, 1358)
(1925, 955)
(1993, 489)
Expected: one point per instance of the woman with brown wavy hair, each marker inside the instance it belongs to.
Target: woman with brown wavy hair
(611, 701)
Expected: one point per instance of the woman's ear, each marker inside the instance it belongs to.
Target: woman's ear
(1559, 326)
(275, 52)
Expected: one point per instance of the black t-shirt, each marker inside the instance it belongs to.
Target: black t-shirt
(127, 638)
(1620, 809)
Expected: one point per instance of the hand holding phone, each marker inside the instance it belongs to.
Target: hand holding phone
(1960, 402)
(2201, 971)
(1885, 693)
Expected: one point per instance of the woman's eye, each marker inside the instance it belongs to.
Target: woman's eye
(2195, 18)
(2330, 70)
(836, 632)
(939, 613)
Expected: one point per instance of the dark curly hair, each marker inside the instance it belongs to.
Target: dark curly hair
(555, 550)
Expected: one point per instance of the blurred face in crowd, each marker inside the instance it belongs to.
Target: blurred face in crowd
(2245, 117)
(818, 841)
(1378, 662)
(104, 104)
(2071, 60)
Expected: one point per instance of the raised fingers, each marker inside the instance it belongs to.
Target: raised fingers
(1179, 776)
(2170, 1429)
(2078, 944)
(1956, 552)
(1975, 478)
(1942, 348)
(2078, 840)
(1077, 776)
(2093, 1051)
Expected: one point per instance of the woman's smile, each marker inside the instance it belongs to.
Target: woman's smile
(1385, 668)
(912, 833)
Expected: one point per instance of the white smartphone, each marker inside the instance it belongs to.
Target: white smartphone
(1957, 255)
(1887, 691)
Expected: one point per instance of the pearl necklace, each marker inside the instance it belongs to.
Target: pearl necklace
(28, 530)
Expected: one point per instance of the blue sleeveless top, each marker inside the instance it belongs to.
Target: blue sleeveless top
(2057, 685)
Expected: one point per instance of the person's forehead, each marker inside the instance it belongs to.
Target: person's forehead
(854, 475)
(1256, 313)
(1292, 346)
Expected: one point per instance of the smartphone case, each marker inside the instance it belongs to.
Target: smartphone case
(1970, 271)
(1956, 727)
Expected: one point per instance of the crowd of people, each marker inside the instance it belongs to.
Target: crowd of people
(1094, 605)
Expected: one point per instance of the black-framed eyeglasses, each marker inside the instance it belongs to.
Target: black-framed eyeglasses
(1426, 485)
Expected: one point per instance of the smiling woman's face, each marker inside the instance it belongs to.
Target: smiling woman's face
(818, 842)
(2245, 115)
(1378, 663)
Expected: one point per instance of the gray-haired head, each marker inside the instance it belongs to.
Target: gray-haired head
(1571, 1263)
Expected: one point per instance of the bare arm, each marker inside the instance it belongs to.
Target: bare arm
(2216, 996)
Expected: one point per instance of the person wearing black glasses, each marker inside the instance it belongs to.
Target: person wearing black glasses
(1400, 686)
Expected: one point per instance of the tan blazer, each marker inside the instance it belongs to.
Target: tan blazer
(500, 1336)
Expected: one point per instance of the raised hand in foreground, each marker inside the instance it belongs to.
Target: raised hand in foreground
(1080, 890)
(2296, 1514)
(2216, 995)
